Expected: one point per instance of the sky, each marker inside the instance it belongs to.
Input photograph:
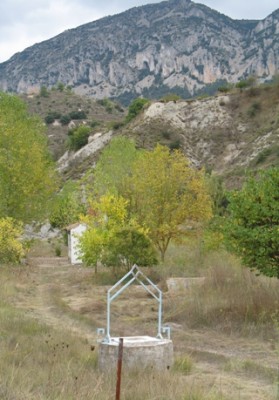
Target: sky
(26, 22)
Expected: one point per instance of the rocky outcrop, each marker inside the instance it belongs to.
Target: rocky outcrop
(176, 45)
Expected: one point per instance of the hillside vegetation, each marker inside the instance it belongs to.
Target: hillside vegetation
(59, 109)
(229, 134)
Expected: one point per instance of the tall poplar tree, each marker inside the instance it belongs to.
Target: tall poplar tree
(27, 174)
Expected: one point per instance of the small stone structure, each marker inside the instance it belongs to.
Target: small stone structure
(138, 351)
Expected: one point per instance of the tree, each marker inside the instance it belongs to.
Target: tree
(129, 246)
(27, 174)
(67, 206)
(104, 217)
(252, 229)
(115, 166)
(11, 248)
(112, 238)
(168, 195)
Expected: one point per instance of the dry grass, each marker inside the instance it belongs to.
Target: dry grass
(40, 362)
(232, 299)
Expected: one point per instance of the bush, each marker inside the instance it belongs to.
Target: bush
(77, 114)
(94, 123)
(78, 137)
(116, 125)
(242, 84)
(65, 119)
(52, 116)
(135, 108)
(11, 248)
(44, 92)
(175, 145)
(253, 109)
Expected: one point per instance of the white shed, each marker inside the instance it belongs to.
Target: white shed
(74, 233)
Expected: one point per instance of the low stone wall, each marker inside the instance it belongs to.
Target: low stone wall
(184, 283)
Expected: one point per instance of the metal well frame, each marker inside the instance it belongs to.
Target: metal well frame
(133, 275)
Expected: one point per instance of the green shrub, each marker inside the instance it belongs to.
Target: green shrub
(77, 114)
(242, 84)
(78, 137)
(175, 145)
(94, 123)
(65, 119)
(52, 116)
(253, 109)
(135, 108)
(116, 125)
(44, 92)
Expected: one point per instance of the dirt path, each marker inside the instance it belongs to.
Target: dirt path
(42, 298)
(63, 297)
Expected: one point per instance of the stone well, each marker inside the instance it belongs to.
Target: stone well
(138, 351)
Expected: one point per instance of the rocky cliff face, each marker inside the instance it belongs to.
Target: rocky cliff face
(176, 45)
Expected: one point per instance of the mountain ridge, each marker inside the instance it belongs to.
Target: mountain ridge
(172, 46)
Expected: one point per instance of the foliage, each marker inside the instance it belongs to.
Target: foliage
(28, 178)
(112, 238)
(44, 92)
(168, 195)
(77, 114)
(78, 137)
(218, 194)
(252, 230)
(52, 116)
(11, 248)
(254, 109)
(65, 119)
(224, 89)
(135, 108)
(67, 206)
(114, 166)
(170, 97)
(108, 104)
(242, 84)
(60, 86)
(129, 246)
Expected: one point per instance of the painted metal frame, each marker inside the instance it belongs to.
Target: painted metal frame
(133, 275)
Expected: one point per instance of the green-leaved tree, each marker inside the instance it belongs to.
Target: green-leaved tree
(252, 229)
(27, 174)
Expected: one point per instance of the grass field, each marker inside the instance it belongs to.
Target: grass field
(224, 332)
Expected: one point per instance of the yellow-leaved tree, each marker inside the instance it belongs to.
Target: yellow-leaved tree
(112, 238)
(169, 196)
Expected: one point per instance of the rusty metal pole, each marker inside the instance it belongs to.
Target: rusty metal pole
(119, 369)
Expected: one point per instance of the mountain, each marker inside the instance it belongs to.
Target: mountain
(175, 45)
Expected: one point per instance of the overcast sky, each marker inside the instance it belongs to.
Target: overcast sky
(25, 22)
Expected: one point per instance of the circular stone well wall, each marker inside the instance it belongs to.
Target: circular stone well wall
(138, 351)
